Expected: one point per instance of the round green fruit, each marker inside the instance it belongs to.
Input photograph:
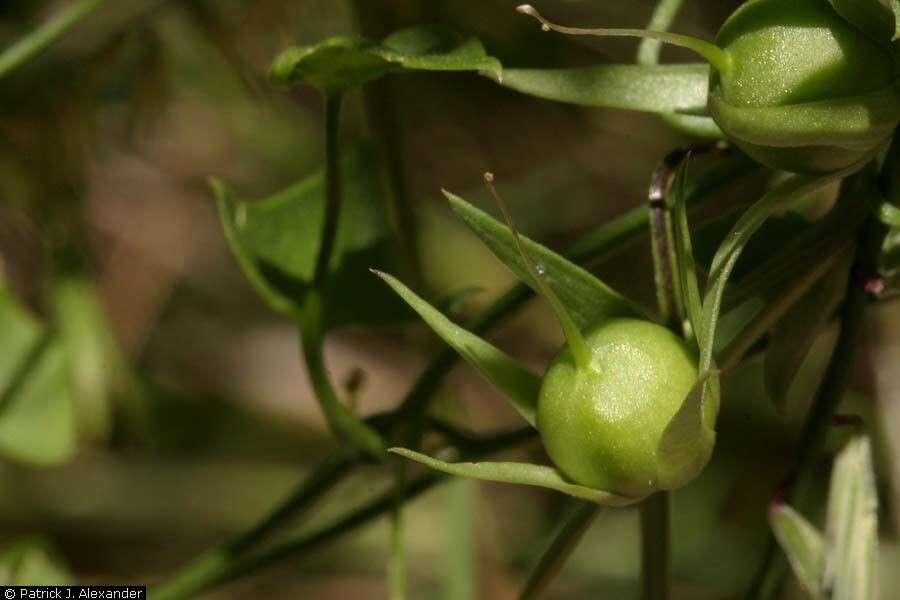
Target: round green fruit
(602, 425)
(803, 89)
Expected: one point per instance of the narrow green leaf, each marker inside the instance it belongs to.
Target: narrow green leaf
(518, 384)
(691, 427)
(276, 242)
(895, 8)
(646, 88)
(869, 16)
(887, 213)
(798, 329)
(852, 525)
(684, 252)
(730, 250)
(343, 63)
(46, 35)
(803, 545)
(517, 473)
(588, 300)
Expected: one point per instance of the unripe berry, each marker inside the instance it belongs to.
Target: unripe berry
(602, 425)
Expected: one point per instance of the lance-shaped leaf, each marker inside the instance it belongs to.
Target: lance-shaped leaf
(646, 88)
(869, 16)
(798, 186)
(519, 385)
(684, 252)
(852, 525)
(588, 300)
(518, 473)
(803, 545)
(344, 63)
(276, 242)
(37, 417)
(692, 427)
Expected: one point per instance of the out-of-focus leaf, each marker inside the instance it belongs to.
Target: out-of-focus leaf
(343, 63)
(37, 417)
(852, 525)
(276, 242)
(895, 8)
(648, 88)
(803, 545)
(91, 351)
(869, 16)
(588, 300)
(32, 562)
(517, 473)
(518, 384)
(794, 336)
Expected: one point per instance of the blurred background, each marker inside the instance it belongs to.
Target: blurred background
(192, 415)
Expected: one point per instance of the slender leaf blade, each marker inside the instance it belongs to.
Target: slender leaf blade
(518, 384)
(517, 473)
(803, 545)
(646, 88)
(684, 253)
(588, 300)
(852, 524)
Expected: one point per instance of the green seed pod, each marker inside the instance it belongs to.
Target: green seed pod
(602, 424)
(795, 84)
(804, 90)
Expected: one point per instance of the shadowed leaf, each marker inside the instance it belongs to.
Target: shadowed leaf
(869, 16)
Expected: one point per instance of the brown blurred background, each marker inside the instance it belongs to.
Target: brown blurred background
(105, 145)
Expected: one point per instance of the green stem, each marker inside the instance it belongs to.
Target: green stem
(333, 196)
(45, 35)
(648, 54)
(655, 551)
(209, 566)
(459, 580)
(770, 579)
(559, 551)
(397, 560)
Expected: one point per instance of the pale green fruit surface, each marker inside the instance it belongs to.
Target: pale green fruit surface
(601, 426)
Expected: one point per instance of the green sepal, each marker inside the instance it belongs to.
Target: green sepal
(857, 123)
(276, 242)
(851, 530)
(587, 299)
(869, 16)
(646, 88)
(519, 474)
(343, 63)
(692, 427)
(519, 385)
(803, 545)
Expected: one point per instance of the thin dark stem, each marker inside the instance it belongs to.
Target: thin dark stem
(655, 547)
(332, 187)
(798, 491)
(559, 551)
